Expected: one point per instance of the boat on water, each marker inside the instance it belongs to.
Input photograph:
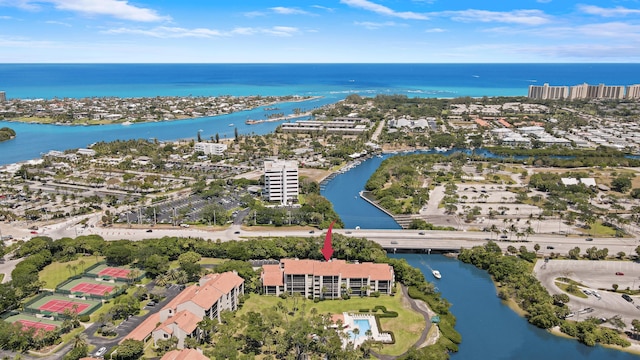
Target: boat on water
(127, 123)
(436, 274)
(231, 124)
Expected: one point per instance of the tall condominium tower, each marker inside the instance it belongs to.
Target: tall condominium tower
(281, 181)
(546, 92)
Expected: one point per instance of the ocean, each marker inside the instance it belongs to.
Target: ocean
(332, 82)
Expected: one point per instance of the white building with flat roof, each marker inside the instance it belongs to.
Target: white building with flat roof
(210, 148)
(281, 181)
(546, 92)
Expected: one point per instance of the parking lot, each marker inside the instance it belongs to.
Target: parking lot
(598, 276)
(185, 209)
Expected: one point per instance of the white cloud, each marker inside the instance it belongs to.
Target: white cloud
(607, 12)
(252, 14)
(435, 30)
(584, 51)
(523, 17)
(53, 22)
(323, 8)
(120, 9)
(4, 17)
(21, 4)
(544, 1)
(164, 32)
(288, 11)
(377, 25)
(615, 30)
(383, 10)
(280, 31)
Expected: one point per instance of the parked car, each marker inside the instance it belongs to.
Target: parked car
(550, 247)
(627, 297)
(101, 351)
(588, 239)
(619, 273)
(421, 233)
(149, 230)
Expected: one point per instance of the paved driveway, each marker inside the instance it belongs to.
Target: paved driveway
(127, 326)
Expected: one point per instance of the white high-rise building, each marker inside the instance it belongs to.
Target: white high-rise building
(546, 92)
(633, 92)
(281, 181)
(601, 91)
(210, 148)
(3, 96)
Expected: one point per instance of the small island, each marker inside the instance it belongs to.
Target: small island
(7, 134)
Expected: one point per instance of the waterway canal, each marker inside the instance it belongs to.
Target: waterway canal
(490, 329)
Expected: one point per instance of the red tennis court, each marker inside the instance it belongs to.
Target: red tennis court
(114, 272)
(36, 325)
(59, 306)
(93, 289)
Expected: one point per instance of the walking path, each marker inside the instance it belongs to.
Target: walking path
(422, 308)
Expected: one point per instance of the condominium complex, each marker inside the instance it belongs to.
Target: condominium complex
(583, 91)
(210, 148)
(601, 91)
(180, 317)
(281, 181)
(633, 92)
(328, 280)
(546, 92)
(3, 96)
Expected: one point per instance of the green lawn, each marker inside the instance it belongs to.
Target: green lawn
(57, 272)
(407, 327)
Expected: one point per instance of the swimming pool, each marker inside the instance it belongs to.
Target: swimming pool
(363, 325)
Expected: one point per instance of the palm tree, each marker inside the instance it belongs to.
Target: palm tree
(79, 340)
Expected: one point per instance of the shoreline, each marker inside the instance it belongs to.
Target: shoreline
(127, 122)
(633, 349)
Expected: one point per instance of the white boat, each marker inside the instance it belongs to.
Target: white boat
(231, 124)
(436, 274)
(127, 123)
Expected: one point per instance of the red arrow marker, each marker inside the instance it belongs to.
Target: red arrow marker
(327, 249)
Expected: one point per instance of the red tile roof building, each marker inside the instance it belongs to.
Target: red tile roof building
(186, 354)
(319, 279)
(180, 317)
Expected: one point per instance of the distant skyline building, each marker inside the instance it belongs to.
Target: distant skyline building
(281, 181)
(633, 92)
(600, 91)
(583, 91)
(546, 92)
(3, 96)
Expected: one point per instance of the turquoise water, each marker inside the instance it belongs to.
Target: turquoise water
(363, 326)
(332, 82)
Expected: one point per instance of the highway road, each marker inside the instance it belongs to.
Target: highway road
(400, 240)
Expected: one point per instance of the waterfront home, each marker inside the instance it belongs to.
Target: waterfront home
(327, 280)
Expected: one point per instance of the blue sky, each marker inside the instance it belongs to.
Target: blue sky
(338, 31)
